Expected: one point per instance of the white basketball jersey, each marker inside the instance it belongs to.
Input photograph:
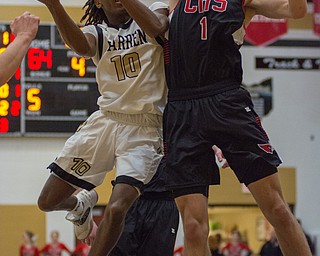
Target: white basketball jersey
(130, 73)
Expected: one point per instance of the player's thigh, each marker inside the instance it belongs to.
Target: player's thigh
(89, 153)
(139, 151)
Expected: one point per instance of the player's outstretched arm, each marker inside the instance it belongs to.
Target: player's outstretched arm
(25, 28)
(153, 23)
(278, 9)
(69, 30)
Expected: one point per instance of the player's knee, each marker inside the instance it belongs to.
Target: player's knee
(194, 230)
(44, 204)
(117, 211)
(280, 214)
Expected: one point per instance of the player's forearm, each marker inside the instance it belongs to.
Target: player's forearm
(278, 9)
(70, 31)
(11, 58)
(151, 23)
(298, 8)
(172, 4)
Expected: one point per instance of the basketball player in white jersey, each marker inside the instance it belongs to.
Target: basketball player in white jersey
(125, 133)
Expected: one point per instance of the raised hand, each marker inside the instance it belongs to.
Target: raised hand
(25, 25)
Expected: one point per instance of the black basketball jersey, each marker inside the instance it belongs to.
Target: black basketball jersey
(202, 52)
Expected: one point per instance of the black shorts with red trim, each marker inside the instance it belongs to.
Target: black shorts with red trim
(226, 119)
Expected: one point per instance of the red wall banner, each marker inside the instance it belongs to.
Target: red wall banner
(263, 31)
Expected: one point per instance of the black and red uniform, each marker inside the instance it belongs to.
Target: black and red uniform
(206, 104)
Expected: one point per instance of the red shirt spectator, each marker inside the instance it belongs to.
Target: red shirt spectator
(236, 247)
(29, 251)
(28, 248)
(81, 250)
(55, 248)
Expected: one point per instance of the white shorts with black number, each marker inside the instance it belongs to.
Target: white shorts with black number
(111, 140)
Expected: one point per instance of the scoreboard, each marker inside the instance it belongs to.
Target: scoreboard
(53, 91)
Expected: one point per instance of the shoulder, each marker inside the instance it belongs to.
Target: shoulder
(90, 29)
(158, 5)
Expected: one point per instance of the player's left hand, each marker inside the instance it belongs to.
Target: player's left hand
(220, 157)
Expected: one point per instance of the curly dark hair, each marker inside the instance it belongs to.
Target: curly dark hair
(93, 15)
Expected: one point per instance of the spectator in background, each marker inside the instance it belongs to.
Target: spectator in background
(271, 246)
(55, 248)
(178, 251)
(236, 247)
(215, 244)
(81, 249)
(28, 248)
(24, 28)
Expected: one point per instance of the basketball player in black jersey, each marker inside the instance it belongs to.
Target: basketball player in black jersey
(206, 107)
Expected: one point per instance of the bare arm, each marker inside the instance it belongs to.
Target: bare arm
(153, 23)
(278, 9)
(82, 44)
(172, 4)
(25, 28)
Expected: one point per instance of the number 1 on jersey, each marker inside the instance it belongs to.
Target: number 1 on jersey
(204, 28)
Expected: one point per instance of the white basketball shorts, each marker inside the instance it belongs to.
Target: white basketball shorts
(103, 142)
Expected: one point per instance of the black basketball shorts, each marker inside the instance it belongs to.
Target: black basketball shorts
(227, 120)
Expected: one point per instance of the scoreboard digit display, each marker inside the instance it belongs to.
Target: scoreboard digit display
(52, 92)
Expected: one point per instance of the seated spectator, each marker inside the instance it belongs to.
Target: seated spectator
(214, 244)
(235, 246)
(271, 246)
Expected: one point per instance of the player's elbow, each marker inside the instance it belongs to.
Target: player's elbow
(84, 52)
(159, 28)
(157, 32)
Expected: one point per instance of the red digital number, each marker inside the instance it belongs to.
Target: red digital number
(4, 125)
(17, 90)
(17, 75)
(15, 108)
(38, 56)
